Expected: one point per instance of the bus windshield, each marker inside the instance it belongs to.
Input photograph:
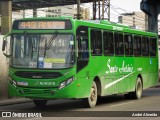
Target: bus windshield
(45, 51)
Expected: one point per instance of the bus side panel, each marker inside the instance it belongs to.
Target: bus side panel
(97, 68)
(120, 75)
(129, 72)
(84, 82)
(153, 71)
(145, 72)
(109, 76)
(137, 66)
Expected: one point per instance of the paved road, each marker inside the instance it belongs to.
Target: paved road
(150, 102)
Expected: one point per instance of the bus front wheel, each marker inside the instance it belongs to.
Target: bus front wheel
(92, 100)
(40, 103)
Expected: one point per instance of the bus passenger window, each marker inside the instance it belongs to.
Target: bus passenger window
(108, 43)
(119, 45)
(153, 47)
(96, 42)
(137, 46)
(83, 48)
(128, 42)
(145, 46)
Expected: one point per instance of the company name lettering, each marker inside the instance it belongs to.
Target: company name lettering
(124, 68)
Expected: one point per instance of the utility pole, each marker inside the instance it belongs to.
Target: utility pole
(78, 9)
(6, 16)
(34, 12)
(103, 9)
(24, 13)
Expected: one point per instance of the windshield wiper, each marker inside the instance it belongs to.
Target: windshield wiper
(47, 46)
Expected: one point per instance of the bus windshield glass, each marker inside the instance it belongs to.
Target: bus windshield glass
(45, 51)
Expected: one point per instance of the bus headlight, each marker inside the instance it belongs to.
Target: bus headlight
(66, 82)
(13, 82)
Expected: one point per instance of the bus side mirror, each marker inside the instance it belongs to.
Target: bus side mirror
(4, 44)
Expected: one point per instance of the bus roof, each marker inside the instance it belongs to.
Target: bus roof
(100, 24)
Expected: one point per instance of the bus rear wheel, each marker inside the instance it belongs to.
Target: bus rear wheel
(92, 100)
(137, 94)
(40, 103)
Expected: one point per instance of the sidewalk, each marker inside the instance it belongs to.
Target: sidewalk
(12, 101)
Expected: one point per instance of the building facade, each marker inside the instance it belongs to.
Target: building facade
(137, 20)
(69, 10)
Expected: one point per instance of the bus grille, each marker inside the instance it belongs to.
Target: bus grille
(38, 75)
(35, 91)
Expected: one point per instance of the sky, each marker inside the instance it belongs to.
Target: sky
(117, 8)
(123, 6)
(129, 5)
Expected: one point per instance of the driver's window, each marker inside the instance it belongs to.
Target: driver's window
(83, 53)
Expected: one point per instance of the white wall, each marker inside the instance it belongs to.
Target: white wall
(3, 72)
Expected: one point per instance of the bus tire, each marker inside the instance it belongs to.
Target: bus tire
(137, 94)
(92, 100)
(138, 91)
(40, 103)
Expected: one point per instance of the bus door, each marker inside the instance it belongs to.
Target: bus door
(83, 73)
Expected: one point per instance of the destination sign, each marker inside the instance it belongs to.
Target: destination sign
(41, 25)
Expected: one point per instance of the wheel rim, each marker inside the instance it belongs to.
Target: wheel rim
(92, 100)
(139, 89)
(93, 93)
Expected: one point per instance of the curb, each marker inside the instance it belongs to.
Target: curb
(6, 102)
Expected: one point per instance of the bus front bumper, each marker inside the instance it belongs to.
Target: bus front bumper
(70, 91)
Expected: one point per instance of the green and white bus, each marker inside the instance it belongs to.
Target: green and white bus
(56, 58)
